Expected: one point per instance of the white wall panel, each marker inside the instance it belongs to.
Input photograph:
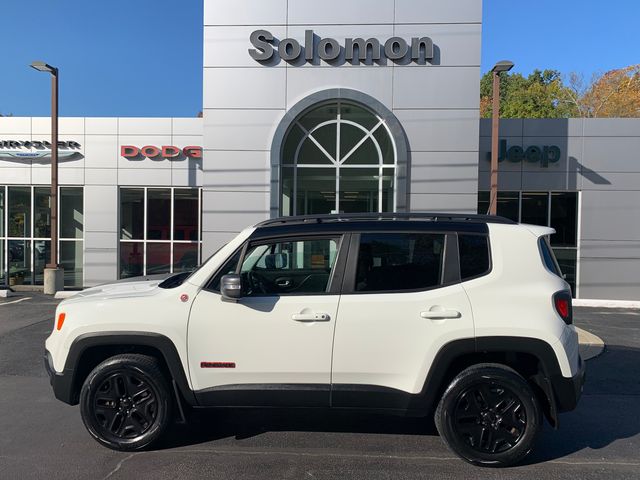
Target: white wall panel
(351, 12)
(66, 126)
(101, 151)
(144, 126)
(438, 11)
(240, 129)
(233, 211)
(99, 212)
(374, 81)
(436, 87)
(144, 176)
(101, 126)
(15, 126)
(246, 12)
(237, 171)
(187, 126)
(440, 130)
(100, 176)
(258, 87)
(15, 175)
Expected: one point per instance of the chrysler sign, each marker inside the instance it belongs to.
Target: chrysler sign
(22, 149)
(397, 49)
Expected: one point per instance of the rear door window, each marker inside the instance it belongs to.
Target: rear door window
(391, 262)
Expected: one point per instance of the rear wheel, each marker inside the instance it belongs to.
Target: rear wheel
(125, 402)
(489, 416)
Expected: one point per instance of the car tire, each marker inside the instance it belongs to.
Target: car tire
(489, 416)
(125, 402)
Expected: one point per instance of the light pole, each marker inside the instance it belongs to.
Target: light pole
(53, 274)
(503, 66)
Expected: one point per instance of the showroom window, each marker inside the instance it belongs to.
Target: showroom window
(159, 230)
(338, 157)
(25, 234)
(558, 210)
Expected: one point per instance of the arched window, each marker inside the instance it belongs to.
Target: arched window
(336, 157)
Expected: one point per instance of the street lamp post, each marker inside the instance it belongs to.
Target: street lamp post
(53, 274)
(503, 66)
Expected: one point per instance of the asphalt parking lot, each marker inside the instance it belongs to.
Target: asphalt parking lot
(41, 437)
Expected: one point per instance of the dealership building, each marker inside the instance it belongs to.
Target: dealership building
(309, 108)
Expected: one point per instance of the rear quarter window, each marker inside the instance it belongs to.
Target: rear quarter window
(548, 258)
(474, 256)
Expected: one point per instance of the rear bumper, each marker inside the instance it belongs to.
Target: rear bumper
(568, 390)
(62, 383)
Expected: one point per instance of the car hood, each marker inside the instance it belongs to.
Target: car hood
(138, 287)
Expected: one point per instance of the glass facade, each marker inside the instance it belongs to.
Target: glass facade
(159, 230)
(558, 210)
(25, 234)
(338, 157)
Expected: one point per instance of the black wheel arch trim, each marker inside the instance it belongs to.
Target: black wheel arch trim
(65, 384)
(562, 393)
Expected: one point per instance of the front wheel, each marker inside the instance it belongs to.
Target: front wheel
(489, 416)
(125, 402)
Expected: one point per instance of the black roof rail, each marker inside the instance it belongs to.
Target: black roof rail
(354, 217)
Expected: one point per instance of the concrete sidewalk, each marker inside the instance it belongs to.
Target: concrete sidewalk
(590, 345)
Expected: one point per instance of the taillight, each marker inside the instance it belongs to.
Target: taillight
(563, 305)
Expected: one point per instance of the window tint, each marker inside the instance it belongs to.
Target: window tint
(399, 261)
(474, 255)
(289, 267)
(548, 258)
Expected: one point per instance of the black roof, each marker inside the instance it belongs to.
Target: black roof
(334, 223)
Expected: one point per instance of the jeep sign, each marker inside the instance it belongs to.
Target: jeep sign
(328, 49)
(543, 155)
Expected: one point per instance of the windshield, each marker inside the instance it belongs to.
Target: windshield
(179, 278)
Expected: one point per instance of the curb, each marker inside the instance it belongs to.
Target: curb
(580, 302)
(590, 345)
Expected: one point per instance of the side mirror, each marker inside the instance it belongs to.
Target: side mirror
(231, 286)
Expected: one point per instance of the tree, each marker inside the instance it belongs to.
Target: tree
(540, 95)
(613, 94)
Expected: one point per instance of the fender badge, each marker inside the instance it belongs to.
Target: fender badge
(217, 364)
(184, 297)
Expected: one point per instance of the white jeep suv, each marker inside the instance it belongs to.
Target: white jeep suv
(464, 315)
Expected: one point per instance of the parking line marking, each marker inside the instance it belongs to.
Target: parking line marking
(15, 301)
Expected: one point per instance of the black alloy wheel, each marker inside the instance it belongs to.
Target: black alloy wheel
(125, 402)
(489, 416)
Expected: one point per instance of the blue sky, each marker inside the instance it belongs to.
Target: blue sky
(144, 57)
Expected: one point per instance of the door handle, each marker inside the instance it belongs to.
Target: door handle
(439, 313)
(283, 283)
(311, 317)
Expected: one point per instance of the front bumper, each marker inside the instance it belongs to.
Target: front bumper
(62, 383)
(568, 391)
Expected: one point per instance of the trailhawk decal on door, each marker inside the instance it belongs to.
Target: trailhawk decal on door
(217, 364)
